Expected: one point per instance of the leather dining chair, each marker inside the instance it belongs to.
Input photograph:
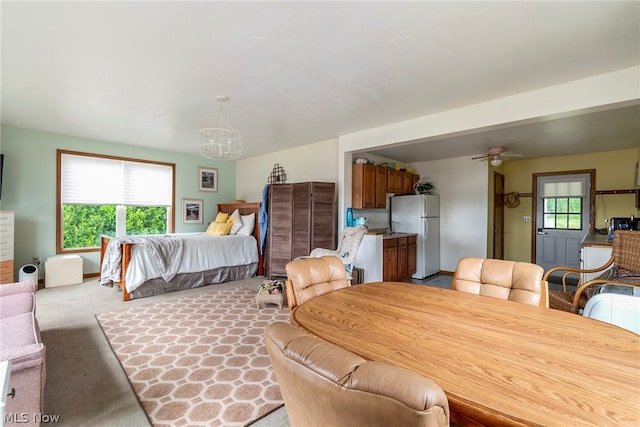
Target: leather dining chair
(309, 277)
(510, 280)
(623, 268)
(326, 385)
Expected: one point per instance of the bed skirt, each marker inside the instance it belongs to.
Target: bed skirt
(195, 280)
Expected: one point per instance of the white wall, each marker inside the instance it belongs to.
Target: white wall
(463, 187)
(313, 162)
(467, 214)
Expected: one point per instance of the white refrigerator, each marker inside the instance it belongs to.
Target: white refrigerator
(420, 214)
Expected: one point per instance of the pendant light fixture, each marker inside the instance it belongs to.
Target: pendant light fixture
(221, 141)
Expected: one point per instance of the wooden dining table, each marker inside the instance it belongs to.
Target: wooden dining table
(499, 362)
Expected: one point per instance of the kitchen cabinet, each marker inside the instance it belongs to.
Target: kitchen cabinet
(412, 253)
(395, 181)
(381, 187)
(402, 259)
(396, 261)
(414, 178)
(302, 216)
(7, 223)
(389, 258)
(368, 186)
(399, 182)
(407, 185)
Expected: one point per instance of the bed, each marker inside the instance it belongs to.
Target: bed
(138, 273)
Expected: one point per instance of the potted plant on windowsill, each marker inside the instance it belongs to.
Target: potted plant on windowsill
(423, 187)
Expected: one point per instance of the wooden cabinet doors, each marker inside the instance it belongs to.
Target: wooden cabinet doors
(398, 258)
(363, 189)
(381, 187)
(412, 254)
(368, 186)
(280, 236)
(302, 216)
(389, 260)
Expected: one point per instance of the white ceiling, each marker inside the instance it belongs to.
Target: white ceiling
(147, 73)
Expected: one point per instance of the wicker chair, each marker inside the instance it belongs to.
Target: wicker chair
(623, 267)
(348, 245)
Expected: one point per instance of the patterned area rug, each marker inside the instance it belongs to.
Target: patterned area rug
(200, 360)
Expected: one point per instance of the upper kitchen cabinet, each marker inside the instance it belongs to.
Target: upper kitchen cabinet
(409, 180)
(395, 181)
(368, 186)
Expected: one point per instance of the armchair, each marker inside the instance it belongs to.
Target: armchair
(623, 267)
(347, 250)
(21, 344)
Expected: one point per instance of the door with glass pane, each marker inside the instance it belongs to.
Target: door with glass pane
(563, 210)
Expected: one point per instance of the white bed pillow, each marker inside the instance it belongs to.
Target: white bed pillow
(236, 221)
(248, 222)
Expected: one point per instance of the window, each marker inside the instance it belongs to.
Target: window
(562, 203)
(563, 213)
(105, 195)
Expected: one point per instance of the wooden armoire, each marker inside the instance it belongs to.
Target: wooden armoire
(302, 216)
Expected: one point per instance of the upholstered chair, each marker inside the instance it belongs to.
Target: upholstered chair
(325, 385)
(509, 280)
(623, 268)
(309, 277)
(348, 245)
(21, 344)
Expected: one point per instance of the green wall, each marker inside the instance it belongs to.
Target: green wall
(29, 187)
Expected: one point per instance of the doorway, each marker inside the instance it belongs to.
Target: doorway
(564, 214)
(498, 215)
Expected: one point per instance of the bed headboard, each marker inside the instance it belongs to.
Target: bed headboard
(247, 209)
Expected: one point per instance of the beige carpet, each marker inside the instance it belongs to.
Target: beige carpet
(198, 360)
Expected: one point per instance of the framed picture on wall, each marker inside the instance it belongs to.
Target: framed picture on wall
(208, 179)
(192, 211)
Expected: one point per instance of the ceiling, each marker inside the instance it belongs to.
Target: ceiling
(148, 73)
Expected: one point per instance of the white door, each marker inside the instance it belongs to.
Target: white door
(562, 218)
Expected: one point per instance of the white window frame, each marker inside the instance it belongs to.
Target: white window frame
(120, 200)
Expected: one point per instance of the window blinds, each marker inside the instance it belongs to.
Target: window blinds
(89, 180)
(564, 189)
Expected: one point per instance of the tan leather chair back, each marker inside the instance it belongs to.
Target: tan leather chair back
(309, 277)
(509, 280)
(325, 385)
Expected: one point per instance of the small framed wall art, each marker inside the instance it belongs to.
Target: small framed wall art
(208, 180)
(192, 211)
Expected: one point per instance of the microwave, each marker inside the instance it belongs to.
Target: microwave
(624, 223)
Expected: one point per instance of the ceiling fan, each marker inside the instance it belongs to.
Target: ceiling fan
(497, 154)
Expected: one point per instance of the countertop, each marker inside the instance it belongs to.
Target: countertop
(595, 240)
(382, 232)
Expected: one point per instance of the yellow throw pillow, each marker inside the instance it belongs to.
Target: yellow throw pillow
(219, 228)
(222, 217)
